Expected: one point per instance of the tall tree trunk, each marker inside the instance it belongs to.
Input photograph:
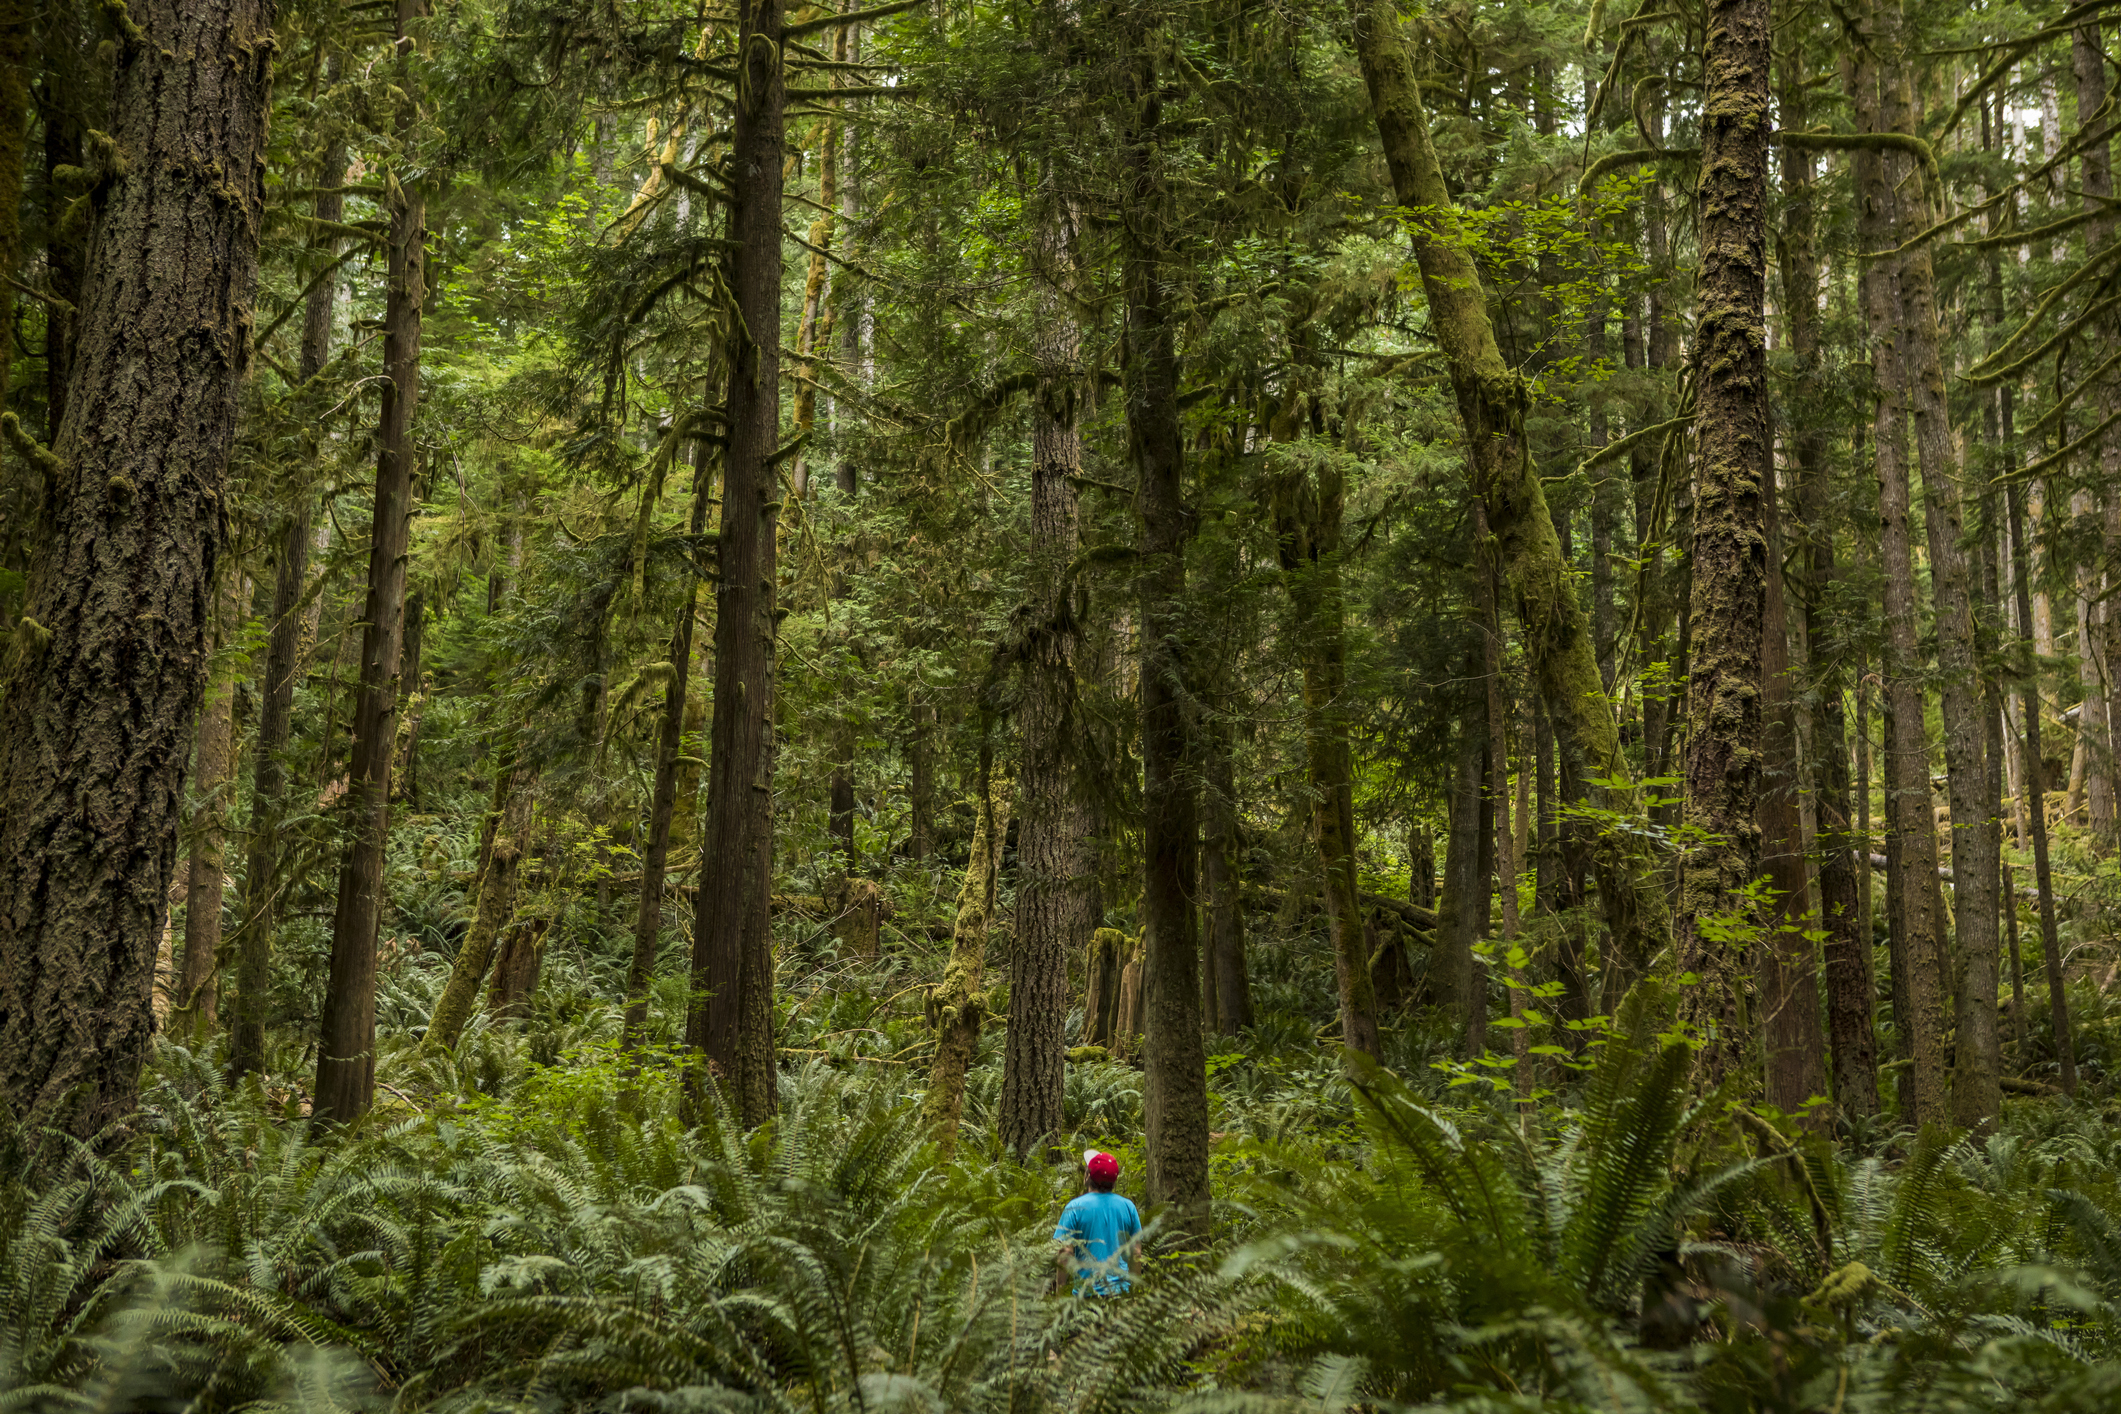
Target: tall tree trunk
(2100, 652)
(957, 1007)
(1844, 926)
(1308, 512)
(1790, 1034)
(262, 872)
(513, 780)
(1491, 401)
(346, 1062)
(1728, 603)
(1175, 1083)
(1050, 862)
(1976, 1098)
(663, 800)
(1918, 959)
(198, 987)
(2036, 802)
(732, 954)
(103, 694)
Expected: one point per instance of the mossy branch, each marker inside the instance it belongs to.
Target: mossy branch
(1629, 157)
(2060, 454)
(30, 449)
(1985, 372)
(2102, 206)
(1633, 440)
(1863, 142)
(850, 17)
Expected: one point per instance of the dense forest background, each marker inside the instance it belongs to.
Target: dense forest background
(657, 656)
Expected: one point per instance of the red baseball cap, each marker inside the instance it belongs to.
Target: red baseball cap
(1099, 1165)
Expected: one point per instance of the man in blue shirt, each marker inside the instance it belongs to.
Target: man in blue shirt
(1099, 1228)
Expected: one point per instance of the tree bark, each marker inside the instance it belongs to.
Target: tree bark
(1050, 863)
(346, 1063)
(108, 662)
(732, 956)
(1728, 602)
(957, 1007)
(262, 877)
(1175, 1082)
(1491, 402)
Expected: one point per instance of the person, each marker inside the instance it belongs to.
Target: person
(1099, 1227)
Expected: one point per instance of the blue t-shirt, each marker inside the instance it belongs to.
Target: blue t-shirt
(1099, 1225)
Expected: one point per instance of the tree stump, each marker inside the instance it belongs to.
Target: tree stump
(1127, 1023)
(1108, 948)
(857, 910)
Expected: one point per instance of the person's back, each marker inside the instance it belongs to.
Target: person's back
(1098, 1226)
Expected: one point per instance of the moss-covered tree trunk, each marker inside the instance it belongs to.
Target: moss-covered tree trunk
(1491, 403)
(346, 1063)
(1727, 602)
(108, 661)
(957, 1007)
(1918, 971)
(732, 955)
(1308, 513)
(509, 817)
(1050, 855)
